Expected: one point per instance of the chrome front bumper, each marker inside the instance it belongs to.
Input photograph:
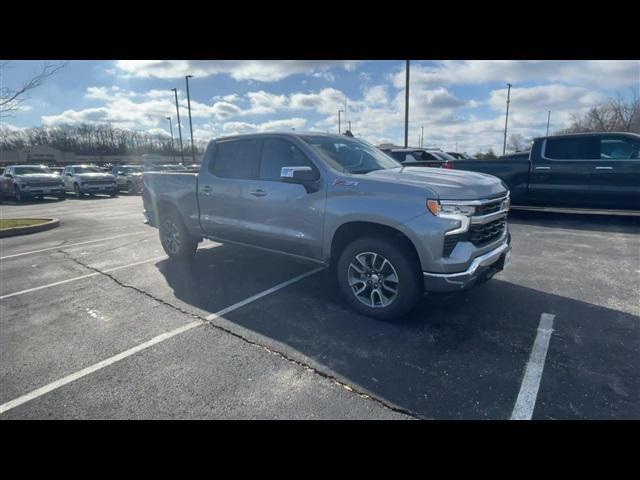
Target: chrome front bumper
(481, 268)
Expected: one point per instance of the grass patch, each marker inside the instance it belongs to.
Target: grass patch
(20, 222)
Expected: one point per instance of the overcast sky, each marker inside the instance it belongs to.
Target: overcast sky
(455, 101)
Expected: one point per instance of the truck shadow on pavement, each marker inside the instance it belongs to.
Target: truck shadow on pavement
(571, 221)
(458, 356)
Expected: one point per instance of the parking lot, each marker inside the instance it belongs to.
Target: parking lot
(97, 323)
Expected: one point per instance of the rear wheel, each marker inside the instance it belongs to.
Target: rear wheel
(176, 240)
(379, 277)
(76, 189)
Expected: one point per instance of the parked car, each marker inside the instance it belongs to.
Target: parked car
(594, 170)
(460, 156)
(56, 170)
(418, 157)
(88, 179)
(129, 178)
(389, 232)
(27, 181)
(166, 168)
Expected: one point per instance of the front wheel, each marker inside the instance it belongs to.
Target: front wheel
(175, 239)
(379, 277)
(20, 197)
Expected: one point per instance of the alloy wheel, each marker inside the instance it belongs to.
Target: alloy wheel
(373, 279)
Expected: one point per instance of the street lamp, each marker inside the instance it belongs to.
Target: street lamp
(339, 112)
(173, 152)
(548, 120)
(506, 120)
(175, 91)
(349, 122)
(193, 152)
(406, 106)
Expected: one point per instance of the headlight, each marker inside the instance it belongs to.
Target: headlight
(449, 209)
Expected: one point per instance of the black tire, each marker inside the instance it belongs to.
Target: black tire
(62, 197)
(131, 189)
(403, 265)
(76, 190)
(174, 237)
(20, 197)
(114, 194)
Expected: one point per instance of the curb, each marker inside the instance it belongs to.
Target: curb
(11, 232)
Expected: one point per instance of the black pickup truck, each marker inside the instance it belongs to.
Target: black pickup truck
(592, 170)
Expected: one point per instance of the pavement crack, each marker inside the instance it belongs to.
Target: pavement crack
(209, 322)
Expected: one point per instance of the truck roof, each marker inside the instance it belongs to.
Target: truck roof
(589, 134)
(287, 134)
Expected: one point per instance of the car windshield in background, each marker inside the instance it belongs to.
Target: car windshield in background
(350, 155)
(87, 170)
(28, 170)
(443, 155)
(132, 170)
(162, 168)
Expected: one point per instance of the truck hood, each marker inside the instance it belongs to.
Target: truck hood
(37, 177)
(448, 184)
(95, 176)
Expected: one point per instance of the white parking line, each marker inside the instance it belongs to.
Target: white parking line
(526, 402)
(154, 341)
(61, 282)
(73, 244)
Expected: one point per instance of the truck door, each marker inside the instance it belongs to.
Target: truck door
(561, 171)
(224, 210)
(617, 173)
(284, 216)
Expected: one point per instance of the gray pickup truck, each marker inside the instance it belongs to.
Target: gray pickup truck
(388, 232)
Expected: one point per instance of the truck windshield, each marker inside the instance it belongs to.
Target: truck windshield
(87, 170)
(28, 170)
(350, 155)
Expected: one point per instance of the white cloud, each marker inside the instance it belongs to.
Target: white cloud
(242, 70)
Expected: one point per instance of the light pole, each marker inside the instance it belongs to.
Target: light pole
(339, 129)
(349, 122)
(173, 152)
(193, 152)
(548, 119)
(175, 90)
(506, 120)
(406, 108)
(422, 137)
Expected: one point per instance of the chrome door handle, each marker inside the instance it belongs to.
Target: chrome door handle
(206, 189)
(258, 193)
(604, 168)
(543, 168)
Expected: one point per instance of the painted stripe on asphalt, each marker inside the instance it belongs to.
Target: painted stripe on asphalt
(73, 244)
(526, 402)
(61, 282)
(143, 346)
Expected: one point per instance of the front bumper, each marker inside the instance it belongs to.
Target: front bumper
(55, 191)
(481, 268)
(98, 188)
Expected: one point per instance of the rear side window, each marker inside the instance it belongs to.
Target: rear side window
(237, 159)
(581, 148)
(278, 153)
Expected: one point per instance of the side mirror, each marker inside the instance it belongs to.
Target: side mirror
(298, 175)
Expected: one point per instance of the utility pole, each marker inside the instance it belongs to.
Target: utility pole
(173, 151)
(548, 119)
(175, 91)
(506, 120)
(193, 152)
(339, 127)
(349, 122)
(345, 111)
(406, 107)
(422, 137)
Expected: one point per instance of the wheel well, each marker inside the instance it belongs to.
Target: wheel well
(348, 232)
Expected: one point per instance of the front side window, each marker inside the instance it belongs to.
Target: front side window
(237, 159)
(350, 155)
(278, 153)
(617, 148)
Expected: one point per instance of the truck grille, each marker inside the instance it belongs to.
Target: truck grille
(488, 208)
(481, 235)
(44, 184)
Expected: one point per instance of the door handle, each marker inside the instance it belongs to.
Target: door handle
(206, 189)
(543, 168)
(258, 193)
(604, 168)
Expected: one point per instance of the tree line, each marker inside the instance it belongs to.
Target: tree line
(97, 139)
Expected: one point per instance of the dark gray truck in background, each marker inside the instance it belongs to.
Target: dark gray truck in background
(388, 232)
(592, 170)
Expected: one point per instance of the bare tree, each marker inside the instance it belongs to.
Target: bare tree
(517, 142)
(12, 97)
(616, 115)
